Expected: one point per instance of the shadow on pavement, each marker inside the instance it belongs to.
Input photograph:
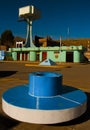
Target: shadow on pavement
(7, 123)
(6, 73)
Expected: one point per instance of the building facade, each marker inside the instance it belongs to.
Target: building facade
(57, 54)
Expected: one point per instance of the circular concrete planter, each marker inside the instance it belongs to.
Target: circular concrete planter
(44, 100)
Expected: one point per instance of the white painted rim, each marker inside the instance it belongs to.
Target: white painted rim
(43, 116)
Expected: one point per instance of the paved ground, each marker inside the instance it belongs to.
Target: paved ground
(76, 75)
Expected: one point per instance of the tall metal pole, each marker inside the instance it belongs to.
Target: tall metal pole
(60, 43)
(68, 33)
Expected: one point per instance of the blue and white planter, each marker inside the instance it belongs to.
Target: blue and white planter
(44, 100)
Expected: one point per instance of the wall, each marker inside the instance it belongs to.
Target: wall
(56, 54)
(63, 56)
(76, 57)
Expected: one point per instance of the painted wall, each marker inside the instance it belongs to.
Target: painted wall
(53, 55)
(76, 56)
(63, 56)
(32, 56)
(56, 54)
(14, 55)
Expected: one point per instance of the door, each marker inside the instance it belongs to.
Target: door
(44, 55)
(69, 56)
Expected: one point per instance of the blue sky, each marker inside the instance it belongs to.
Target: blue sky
(57, 16)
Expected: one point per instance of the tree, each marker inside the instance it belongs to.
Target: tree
(7, 38)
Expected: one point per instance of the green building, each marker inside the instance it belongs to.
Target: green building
(57, 54)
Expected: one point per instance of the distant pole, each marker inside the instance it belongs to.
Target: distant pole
(60, 43)
(68, 33)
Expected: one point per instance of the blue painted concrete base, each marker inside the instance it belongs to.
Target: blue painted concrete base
(44, 100)
(18, 104)
(19, 96)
